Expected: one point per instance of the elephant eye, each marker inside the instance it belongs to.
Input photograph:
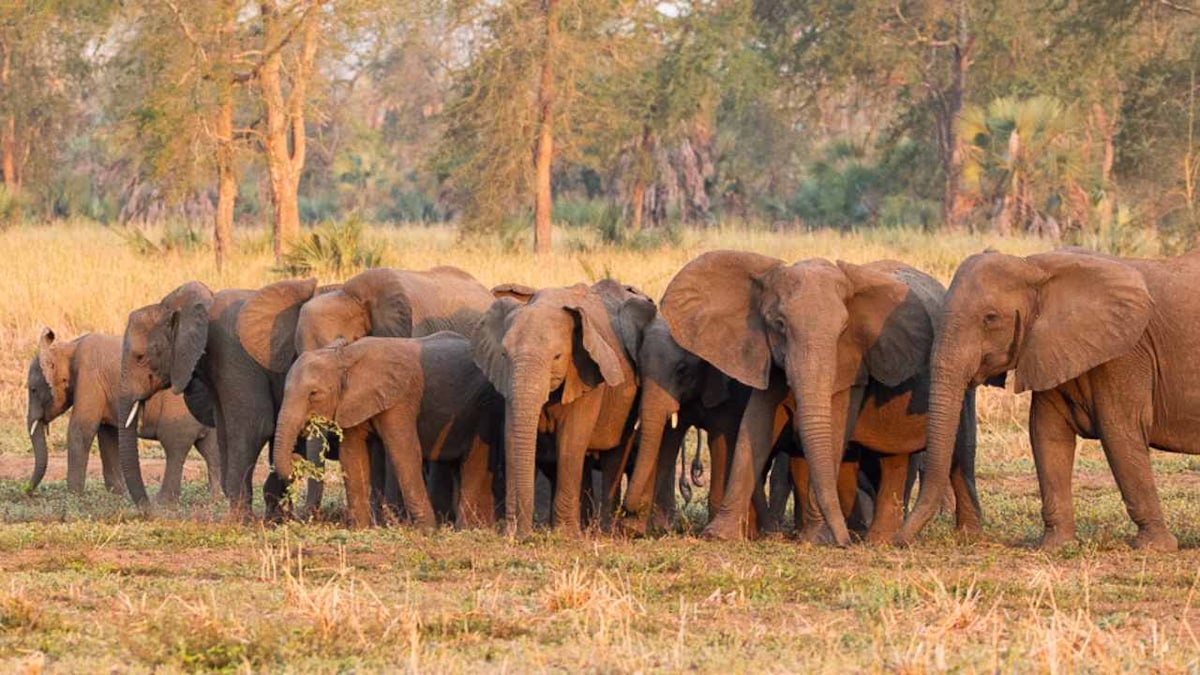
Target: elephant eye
(991, 318)
(558, 356)
(779, 325)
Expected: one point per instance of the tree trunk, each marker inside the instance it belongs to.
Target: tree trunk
(284, 140)
(543, 199)
(8, 142)
(950, 145)
(226, 185)
(641, 168)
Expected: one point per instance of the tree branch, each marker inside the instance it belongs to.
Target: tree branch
(187, 30)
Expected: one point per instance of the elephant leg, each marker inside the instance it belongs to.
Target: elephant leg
(277, 506)
(571, 441)
(241, 454)
(968, 514)
(719, 459)
(801, 509)
(315, 489)
(442, 485)
(1053, 442)
(664, 514)
(847, 486)
(80, 435)
(889, 499)
(1126, 441)
(355, 459)
(172, 482)
(110, 460)
(777, 498)
(403, 446)
(206, 445)
(755, 440)
(476, 503)
(612, 470)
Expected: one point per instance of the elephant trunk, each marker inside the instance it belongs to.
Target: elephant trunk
(812, 382)
(129, 418)
(37, 434)
(949, 382)
(287, 430)
(530, 390)
(657, 406)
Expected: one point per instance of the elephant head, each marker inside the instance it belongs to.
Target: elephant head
(567, 341)
(670, 377)
(827, 326)
(1049, 318)
(50, 395)
(162, 345)
(348, 384)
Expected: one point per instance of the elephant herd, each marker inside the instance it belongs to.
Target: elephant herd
(443, 401)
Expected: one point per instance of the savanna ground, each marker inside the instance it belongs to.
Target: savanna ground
(86, 585)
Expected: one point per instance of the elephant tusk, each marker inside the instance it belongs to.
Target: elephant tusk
(132, 414)
(675, 420)
(33, 427)
(637, 425)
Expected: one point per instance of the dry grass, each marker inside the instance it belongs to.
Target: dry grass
(86, 585)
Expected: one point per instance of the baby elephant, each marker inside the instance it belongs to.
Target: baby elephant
(82, 375)
(423, 397)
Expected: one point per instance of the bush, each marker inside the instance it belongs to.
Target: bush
(332, 249)
(177, 237)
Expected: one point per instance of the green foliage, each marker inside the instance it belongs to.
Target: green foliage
(175, 237)
(12, 207)
(333, 249)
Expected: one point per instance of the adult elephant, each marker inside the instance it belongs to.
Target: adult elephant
(189, 343)
(563, 362)
(851, 342)
(1106, 345)
(82, 375)
(379, 303)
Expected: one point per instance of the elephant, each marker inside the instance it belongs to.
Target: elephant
(81, 375)
(1107, 347)
(189, 342)
(378, 302)
(563, 363)
(424, 397)
(847, 344)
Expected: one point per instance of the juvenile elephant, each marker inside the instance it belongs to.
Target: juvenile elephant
(424, 397)
(81, 376)
(1106, 345)
(850, 342)
(564, 364)
(378, 302)
(188, 342)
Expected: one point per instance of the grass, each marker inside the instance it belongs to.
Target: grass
(87, 585)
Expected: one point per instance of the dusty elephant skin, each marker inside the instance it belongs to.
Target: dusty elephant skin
(188, 342)
(563, 362)
(1106, 345)
(379, 302)
(82, 376)
(850, 342)
(424, 397)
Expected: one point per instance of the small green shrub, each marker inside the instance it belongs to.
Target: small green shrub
(333, 249)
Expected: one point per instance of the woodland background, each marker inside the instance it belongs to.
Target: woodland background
(1075, 120)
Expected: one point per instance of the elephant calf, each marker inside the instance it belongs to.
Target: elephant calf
(82, 375)
(424, 398)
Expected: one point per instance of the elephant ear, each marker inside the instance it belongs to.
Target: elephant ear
(189, 305)
(600, 359)
(519, 292)
(45, 355)
(199, 403)
(713, 309)
(487, 344)
(892, 310)
(375, 377)
(266, 324)
(1090, 310)
(384, 294)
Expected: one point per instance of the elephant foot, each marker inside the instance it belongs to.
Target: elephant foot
(968, 533)
(1155, 539)
(166, 499)
(631, 527)
(1054, 539)
(879, 537)
(815, 534)
(723, 529)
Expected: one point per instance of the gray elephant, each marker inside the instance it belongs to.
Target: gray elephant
(1106, 345)
(563, 362)
(849, 344)
(189, 343)
(380, 303)
(424, 397)
(81, 375)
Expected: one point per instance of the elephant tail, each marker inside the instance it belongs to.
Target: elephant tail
(697, 464)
